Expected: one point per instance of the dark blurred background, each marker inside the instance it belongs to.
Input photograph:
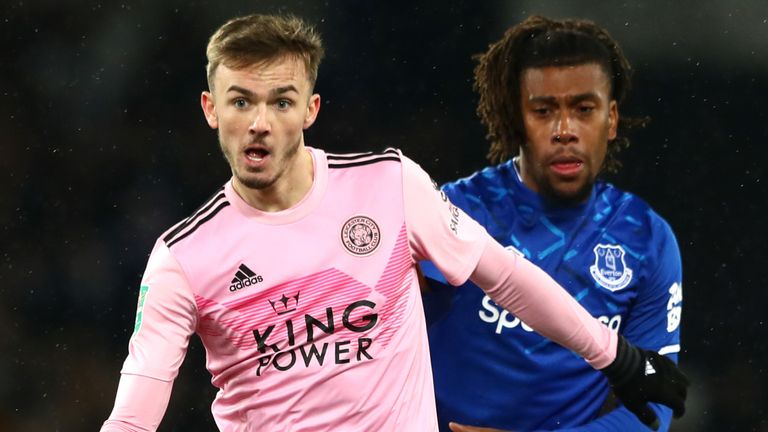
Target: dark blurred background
(103, 146)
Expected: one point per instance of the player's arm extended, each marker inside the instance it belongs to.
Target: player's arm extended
(637, 376)
(459, 247)
(533, 296)
(165, 320)
(140, 404)
(652, 323)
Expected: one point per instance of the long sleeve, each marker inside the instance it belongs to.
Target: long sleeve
(139, 405)
(165, 320)
(461, 248)
(527, 291)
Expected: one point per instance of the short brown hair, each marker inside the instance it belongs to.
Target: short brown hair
(541, 42)
(251, 39)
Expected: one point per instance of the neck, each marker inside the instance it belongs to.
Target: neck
(290, 188)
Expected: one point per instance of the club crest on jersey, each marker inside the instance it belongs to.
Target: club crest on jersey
(360, 236)
(610, 270)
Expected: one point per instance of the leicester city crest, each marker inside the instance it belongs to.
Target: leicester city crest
(610, 270)
(360, 235)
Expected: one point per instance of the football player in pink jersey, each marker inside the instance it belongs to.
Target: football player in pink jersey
(307, 301)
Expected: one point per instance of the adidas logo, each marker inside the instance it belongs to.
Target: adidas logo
(244, 277)
(649, 370)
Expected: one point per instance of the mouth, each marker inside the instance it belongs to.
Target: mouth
(566, 166)
(255, 155)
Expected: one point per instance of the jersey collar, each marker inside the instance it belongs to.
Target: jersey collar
(304, 207)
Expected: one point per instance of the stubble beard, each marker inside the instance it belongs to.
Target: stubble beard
(254, 182)
(566, 198)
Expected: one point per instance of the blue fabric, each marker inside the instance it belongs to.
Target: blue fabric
(614, 254)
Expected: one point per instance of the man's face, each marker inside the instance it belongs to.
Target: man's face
(261, 112)
(568, 118)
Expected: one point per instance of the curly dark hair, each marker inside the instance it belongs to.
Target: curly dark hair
(540, 42)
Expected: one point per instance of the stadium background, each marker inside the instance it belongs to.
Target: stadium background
(103, 146)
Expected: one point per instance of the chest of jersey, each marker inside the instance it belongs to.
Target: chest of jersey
(598, 255)
(320, 288)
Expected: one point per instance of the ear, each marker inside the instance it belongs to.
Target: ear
(313, 107)
(613, 120)
(209, 109)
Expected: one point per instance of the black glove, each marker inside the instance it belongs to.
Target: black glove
(639, 376)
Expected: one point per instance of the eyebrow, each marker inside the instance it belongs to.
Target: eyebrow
(572, 99)
(584, 97)
(273, 92)
(284, 89)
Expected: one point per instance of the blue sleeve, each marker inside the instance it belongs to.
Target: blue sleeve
(653, 323)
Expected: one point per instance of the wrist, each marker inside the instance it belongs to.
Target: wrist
(628, 360)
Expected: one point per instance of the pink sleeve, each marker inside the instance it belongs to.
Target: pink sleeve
(439, 231)
(139, 405)
(530, 294)
(165, 319)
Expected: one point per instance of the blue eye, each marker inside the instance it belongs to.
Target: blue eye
(240, 103)
(283, 104)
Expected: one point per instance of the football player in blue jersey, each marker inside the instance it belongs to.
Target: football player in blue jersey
(549, 95)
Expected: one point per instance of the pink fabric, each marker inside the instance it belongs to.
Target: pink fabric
(139, 405)
(324, 338)
(327, 333)
(533, 296)
(438, 230)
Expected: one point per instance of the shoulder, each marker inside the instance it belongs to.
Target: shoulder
(632, 214)
(203, 215)
(495, 175)
(354, 160)
(369, 172)
(481, 188)
(484, 190)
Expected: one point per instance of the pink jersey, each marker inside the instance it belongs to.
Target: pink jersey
(311, 317)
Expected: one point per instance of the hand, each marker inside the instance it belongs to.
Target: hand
(455, 427)
(639, 376)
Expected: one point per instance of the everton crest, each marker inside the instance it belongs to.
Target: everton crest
(610, 270)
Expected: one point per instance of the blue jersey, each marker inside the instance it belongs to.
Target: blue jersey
(614, 255)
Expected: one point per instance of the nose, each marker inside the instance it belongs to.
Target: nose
(261, 123)
(562, 131)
